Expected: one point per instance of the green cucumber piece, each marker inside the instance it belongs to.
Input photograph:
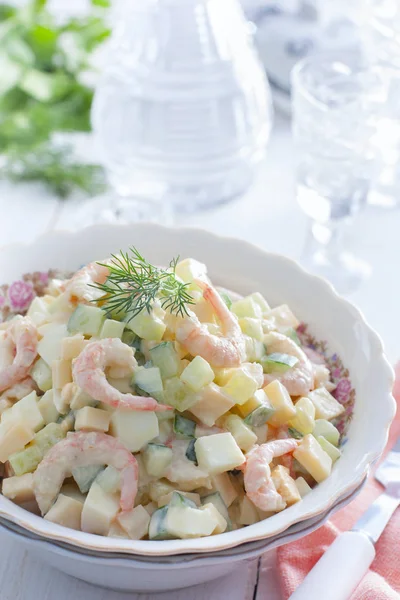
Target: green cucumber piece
(165, 357)
(327, 430)
(216, 499)
(147, 381)
(179, 500)
(42, 376)
(26, 461)
(191, 452)
(109, 480)
(47, 437)
(226, 299)
(292, 334)
(294, 433)
(157, 527)
(277, 362)
(184, 428)
(156, 458)
(259, 415)
(178, 395)
(84, 476)
(87, 320)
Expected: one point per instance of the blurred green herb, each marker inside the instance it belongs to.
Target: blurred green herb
(44, 90)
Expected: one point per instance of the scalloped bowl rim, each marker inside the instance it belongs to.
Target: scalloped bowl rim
(258, 531)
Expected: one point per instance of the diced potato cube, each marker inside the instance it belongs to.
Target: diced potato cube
(305, 413)
(14, 437)
(49, 347)
(252, 327)
(322, 377)
(190, 522)
(190, 269)
(157, 458)
(61, 373)
(284, 317)
(112, 329)
(72, 491)
(99, 510)
(41, 374)
(116, 531)
(47, 407)
(212, 403)
(61, 399)
(218, 453)
(222, 483)
(326, 406)
(66, 511)
(19, 489)
(164, 500)
(247, 307)
(302, 486)
(259, 398)
(25, 411)
(134, 428)
(160, 488)
(313, 458)
(285, 485)
(135, 522)
(248, 514)
(147, 326)
(197, 374)
(220, 520)
(244, 382)
(329, 448)
(71, 347)
(92, 419)
(282, 402)
(244, 436)
(329, 431)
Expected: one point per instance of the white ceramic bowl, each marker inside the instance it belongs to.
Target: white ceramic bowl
(156, 574)
(238, 266)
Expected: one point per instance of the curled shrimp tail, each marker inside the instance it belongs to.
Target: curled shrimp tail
(22, 334)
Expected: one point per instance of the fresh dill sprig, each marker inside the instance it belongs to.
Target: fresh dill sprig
(134, 285)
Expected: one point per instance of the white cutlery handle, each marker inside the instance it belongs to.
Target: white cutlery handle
(339, 570)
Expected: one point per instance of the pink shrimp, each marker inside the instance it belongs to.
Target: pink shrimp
(80, 287)
(21, 335)
(89, 374)
(258, 484)
(220, 351)
(298, 380)
(82, 449)
(19, 390)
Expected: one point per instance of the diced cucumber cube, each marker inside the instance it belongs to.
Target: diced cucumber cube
(302, 486)
(156, 458)
(184, 428)
(247, 307)
(261, 301)
(148, 380)
(191, 452)
(157, 527)
(165, 357)
(294, 433)
(255, 349)
(84, 476)
(87, 320)
(292, 334)
(326, 429)
(178, 395)
(244, 436)
(48, 437)
(131, 339)
(112, 329)
(226, 298)
(216, 499)
(41, 374)
(278, 363)
(252, 327)
(26, 461)
(329, 448)
(109, 480)
(262, 411)
(180, 501)
(147, 326)
(197, 374)
(305, 413)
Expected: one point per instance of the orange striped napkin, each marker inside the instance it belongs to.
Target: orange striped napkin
(382, 582)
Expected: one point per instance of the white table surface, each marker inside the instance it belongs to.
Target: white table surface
(267, 216)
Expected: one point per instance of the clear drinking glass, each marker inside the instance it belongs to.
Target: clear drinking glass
(381, 35)
(336, 107)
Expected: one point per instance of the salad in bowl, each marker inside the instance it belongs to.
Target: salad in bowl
(147, 403)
